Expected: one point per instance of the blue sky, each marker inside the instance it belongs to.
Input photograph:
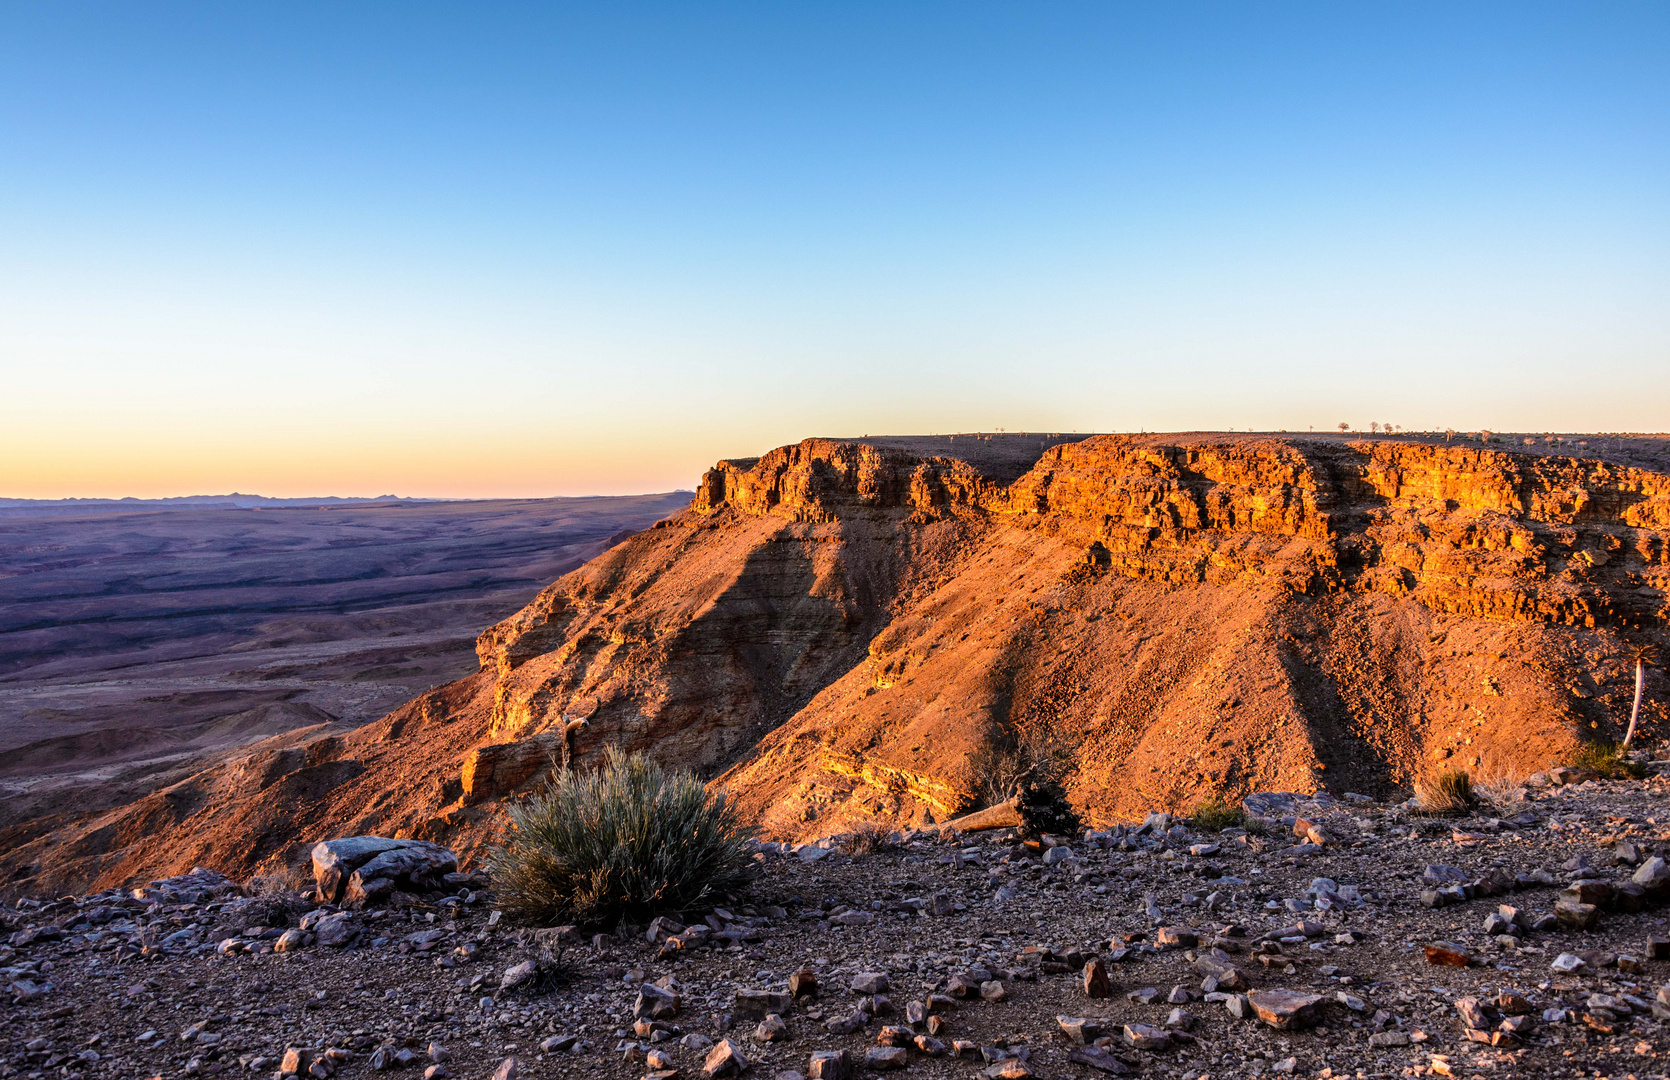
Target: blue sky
(517, 250)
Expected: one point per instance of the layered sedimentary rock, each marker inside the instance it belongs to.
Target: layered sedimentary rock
(845, 629)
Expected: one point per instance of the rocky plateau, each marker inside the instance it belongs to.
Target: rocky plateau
(847, 631)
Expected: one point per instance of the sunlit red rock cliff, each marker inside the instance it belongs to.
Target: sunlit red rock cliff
(834, 630)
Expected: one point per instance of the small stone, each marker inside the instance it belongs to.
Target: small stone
(1079, 1029)
(1472, 1013)
(1586, 892)
(869, 982)
(1568, 964)
(517, 975)
(1576, 915)
(1143, 1037)
(1097, 1058)
(1096, 983)
(661, 928)
(655, 1002)
(883, 1058)
(1654, 876)
(846, 1025)
(803, 984)
(725, 1059)
(1287, 1010)
(830, 1065)
(992, 989)
(1447, 954)
(506, 1069)
(771, 1029)
(758, 1004)
(1440, 874)
(930, 1046)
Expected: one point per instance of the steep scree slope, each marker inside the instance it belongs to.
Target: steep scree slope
(834, 629)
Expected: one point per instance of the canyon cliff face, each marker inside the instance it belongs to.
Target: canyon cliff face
(844, 630)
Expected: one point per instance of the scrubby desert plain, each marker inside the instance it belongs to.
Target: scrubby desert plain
(845, 633)
(141, 643)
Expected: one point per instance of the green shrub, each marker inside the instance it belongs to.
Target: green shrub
(1212, 814)
(1045, 809)
(1608, 760)
(625, 841)
(1444, 791)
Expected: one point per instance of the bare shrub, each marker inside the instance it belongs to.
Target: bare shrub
(1029, 767)
(1003, 766)
(867, 839)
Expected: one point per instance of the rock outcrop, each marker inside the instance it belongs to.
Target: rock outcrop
(358, 870)
(875, 629)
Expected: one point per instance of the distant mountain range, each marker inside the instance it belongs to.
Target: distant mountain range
(234, 501)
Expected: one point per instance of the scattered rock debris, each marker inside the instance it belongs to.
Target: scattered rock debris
(1311, 946)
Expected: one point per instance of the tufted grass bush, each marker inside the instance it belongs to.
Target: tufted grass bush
(1444, 791)
(626, 841)
(1608, 760)
(1215, 813)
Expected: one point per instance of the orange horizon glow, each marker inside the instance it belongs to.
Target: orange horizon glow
(377, 461)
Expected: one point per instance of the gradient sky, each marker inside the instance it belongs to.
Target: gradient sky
(495, 249)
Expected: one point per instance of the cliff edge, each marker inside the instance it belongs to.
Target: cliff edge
(846, 629)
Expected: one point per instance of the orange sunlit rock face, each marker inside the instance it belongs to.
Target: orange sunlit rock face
(835, 630)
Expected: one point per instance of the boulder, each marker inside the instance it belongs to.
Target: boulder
(1654, 876)
(336, 930)
(359, 870)
(199, 886)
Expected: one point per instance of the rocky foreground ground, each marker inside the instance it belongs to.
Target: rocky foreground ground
(1379, 943)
